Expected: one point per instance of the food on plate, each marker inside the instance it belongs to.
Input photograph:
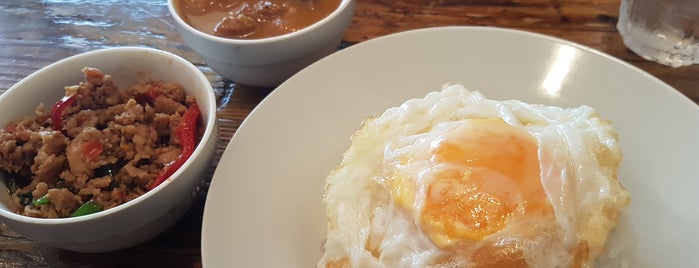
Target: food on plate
(253, 19)
(97, 147)
(459, 180)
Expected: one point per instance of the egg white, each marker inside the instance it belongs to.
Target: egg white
(578, 153)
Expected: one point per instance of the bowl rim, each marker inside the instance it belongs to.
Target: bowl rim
(209, 125)
(344, 4)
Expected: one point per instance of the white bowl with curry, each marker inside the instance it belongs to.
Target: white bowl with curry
(106, 149)
(261, 42)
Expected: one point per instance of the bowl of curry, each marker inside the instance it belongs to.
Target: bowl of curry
(261, 42)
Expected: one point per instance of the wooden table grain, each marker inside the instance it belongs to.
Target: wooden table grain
(34, 34)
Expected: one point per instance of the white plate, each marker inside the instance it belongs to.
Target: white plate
(264, 205)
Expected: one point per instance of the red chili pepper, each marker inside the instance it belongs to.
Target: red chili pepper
(148, 97)
(11, 127)
(92, 149)
(187, 134)
(57, 111)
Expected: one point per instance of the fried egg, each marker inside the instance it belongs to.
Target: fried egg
(458, 180)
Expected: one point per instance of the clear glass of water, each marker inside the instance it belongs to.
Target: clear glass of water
(664, 31)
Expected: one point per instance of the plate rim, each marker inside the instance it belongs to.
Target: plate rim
(284, 87)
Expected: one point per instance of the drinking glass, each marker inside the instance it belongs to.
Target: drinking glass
(665, 31)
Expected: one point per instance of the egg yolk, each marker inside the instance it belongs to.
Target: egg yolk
(489, 176)
(495, 178)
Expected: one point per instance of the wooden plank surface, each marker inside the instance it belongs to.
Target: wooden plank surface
(34, 34)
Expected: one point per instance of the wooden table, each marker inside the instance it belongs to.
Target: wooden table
(34, 34)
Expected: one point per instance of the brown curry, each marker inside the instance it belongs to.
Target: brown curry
(253, 19)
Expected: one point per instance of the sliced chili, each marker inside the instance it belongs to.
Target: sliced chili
(57, 111)
(92, 149)
(44, 200)
(148, 97)
(187, 133)
(87, 208)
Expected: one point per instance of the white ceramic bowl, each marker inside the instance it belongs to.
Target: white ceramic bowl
(269, 61)
(148, 215)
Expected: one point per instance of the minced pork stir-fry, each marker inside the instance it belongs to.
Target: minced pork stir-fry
(98, 147)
